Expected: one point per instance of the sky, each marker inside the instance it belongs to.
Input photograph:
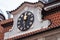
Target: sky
(12, 4)
(9, 5)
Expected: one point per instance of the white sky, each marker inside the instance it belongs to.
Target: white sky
(12, 4)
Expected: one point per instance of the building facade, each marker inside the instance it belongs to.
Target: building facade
(46, 23)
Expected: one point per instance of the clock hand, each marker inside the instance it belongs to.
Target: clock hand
(25, 16)
(25, 19)
(25, 24)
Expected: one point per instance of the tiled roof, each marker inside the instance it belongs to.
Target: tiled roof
(6, 25)
(55, 22)
(55, 19)
(4, 29)
(1, 29)
(6, 21)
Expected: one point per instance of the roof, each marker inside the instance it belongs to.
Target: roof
(23, 5)
(6, 25)
(54, 18)
(6, 21)
(47, 1)
(1, 29)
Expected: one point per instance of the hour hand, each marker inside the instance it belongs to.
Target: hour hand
(25, 17)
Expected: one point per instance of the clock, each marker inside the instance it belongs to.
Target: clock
(25, 20)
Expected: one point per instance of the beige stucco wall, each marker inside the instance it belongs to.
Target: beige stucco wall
(36, 25)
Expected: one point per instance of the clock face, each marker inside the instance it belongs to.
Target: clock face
(25, 21)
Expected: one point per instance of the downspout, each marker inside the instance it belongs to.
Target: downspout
(9, 15)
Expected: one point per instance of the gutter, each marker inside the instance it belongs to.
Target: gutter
(51, 6)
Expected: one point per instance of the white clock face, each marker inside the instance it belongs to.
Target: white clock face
(25, 21)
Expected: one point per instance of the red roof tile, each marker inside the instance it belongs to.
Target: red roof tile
(55, 19)
(4, 22)
(1, 29)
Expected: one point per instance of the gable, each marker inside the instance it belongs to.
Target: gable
(25, 4)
